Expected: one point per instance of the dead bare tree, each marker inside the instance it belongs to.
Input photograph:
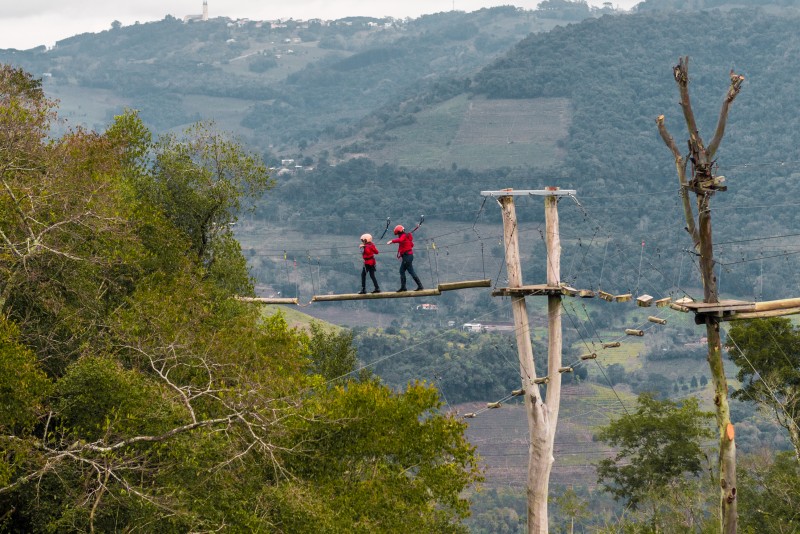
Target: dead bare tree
(703, 183)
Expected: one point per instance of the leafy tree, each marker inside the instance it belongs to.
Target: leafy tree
(201, 182)
(767, 352)
(134, 390)
(657, 446)
(572, 507)
(332, 353)
(378, 460)
(770, 492)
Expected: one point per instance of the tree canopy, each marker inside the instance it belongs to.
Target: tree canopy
(135, 390)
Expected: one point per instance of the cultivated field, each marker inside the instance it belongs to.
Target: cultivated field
(478, 133)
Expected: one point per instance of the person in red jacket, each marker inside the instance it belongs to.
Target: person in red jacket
(368, 252)
(405, 251)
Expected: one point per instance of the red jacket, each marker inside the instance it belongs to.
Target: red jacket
(368, 252)
(406, 241)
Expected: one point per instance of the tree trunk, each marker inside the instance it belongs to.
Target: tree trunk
(703, 184)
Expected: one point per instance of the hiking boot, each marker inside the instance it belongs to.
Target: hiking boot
(362, 292)
(377, 290)
(419, 288)
(401, 290)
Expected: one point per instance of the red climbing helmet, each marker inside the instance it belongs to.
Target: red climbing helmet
(399, 229)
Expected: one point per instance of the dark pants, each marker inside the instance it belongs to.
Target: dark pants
(371, 270)
(407, 264)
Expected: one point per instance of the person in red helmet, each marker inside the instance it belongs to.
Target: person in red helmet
(368, 252)
(405, 251)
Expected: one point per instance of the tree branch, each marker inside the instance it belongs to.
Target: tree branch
(680, 167)
(730, 96)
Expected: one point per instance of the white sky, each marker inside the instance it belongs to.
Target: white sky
(26, 24)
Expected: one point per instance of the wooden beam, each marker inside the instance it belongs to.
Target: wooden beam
(383, 295)
(268, 300)
(782, 304)
(450, 286)
(740, 316)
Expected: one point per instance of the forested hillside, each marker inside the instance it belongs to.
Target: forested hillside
(275, 82)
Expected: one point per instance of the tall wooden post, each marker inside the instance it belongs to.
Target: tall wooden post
(542, 415)
(554, 339)
(704, 184)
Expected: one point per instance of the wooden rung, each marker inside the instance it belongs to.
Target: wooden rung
(683, 301)
(452, 286)
(541, 380)
(663, 303)
(517, 392)
(605, 296)
(586, 294)
(591, 356)
(657, 320)
(678, 307)
(612, 345)
(493, 405)
(569, 291)
(634, 332)
(623, 298)
(469, 415)
(644, 301)
(565, 369)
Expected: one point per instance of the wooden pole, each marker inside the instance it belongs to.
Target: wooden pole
(534, 407)
(554, 349)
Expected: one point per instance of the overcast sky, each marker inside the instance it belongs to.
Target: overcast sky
(26, 24)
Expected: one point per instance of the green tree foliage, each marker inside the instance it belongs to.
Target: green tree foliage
(201, 182)
(572, 508)
(657, 446)
(135, 390)
(769, 492)
(767, 353)
(332, 354)
(380, 461)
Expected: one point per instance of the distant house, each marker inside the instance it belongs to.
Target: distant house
(498, 327)
(487, 327)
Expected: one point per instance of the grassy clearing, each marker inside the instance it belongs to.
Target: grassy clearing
(296, 318)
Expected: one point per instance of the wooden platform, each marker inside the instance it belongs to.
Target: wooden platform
(722, 308)
(542, 289)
